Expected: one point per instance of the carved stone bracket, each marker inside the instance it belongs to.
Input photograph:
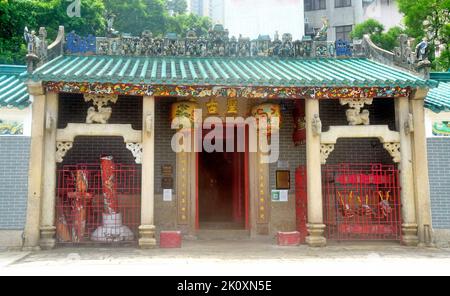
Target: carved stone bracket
(101, 101)
(394, 151)
(61, 150)
(356, 116)
(325, 151)
(136, 149)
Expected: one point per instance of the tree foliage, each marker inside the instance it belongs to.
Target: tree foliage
(386, 40)
(182, 23)
(177, 6)
(131, 16)
(436, 14)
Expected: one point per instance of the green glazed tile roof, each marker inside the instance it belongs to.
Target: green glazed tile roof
(270, 72)
(438, 99)
(13, 92)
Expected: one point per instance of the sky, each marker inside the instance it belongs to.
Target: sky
(253, 17)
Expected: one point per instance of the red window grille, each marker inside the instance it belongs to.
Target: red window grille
(361, 202)
(88, 212)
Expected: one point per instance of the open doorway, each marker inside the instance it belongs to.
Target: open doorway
(223, 190)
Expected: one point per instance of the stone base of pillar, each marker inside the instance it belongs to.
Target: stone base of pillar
(48, 241)
(147, 238)
(316, 238)
(410, 237)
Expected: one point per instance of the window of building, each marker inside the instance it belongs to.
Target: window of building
(342, 3)
(311, 5)
(343, 32)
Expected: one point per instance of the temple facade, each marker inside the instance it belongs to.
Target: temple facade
(343, 124)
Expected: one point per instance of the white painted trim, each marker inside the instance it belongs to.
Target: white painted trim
(74, 130)
(381, 132)
(18, 115)
(430, 118)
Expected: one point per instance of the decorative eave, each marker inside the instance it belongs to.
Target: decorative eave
(13, 91)
(240, 77)
(249, 92)
(438, 99)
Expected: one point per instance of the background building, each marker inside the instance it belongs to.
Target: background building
(215, 9)
(343, 15)
(252, 17)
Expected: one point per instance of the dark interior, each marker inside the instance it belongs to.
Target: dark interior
(222, 190)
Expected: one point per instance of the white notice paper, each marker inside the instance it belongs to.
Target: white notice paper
(284, 195)
(167, 196)
(280, 195)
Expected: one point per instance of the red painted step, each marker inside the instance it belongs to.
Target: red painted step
(170, 239)
(289, 239)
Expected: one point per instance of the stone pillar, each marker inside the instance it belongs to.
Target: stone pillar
(48, 229)
(147, 229)
(409, 226)
(35, 171)
(316, 226)
(420, 165)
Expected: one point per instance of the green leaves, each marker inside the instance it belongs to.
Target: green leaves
(370, 27)
(386, 40)
(132, 16)
(436, 14)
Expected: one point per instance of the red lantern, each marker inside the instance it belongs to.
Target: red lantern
(299, 135)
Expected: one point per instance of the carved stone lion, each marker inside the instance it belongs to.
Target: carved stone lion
(354, 117)
(102, 116)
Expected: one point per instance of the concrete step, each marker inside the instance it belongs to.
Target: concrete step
(221, 234)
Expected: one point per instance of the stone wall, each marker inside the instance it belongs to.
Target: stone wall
(439, 170)
(282, 214)
(165, 212)
(14, 156)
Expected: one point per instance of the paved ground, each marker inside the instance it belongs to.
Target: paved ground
(230, 258)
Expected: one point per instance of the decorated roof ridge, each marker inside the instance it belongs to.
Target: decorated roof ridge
(218, 44)
(13, 91)
(212, 71)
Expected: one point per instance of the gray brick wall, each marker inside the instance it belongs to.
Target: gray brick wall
(14, 155)
(164, 154)
(296, 156)
(439, 167)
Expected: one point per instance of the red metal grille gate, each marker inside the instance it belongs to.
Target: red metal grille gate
(360, 201)
(81, 206)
